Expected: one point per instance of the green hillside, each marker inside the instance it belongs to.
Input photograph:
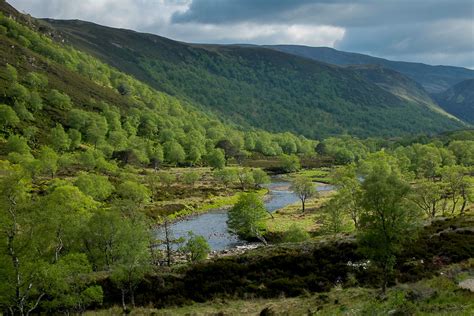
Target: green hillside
(434, 79)
(51, 87)
(399, 85)
(459, 100)
(258, 87)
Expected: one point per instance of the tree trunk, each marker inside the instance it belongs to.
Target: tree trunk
(124, 307)
(168, 244)
(302, 203)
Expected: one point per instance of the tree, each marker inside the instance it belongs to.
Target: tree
(245, 177)
(36, 80)
(17, 144)
(48, 159)
(216, 159)
(426, 196)
(156, 155)
(20, 284)
(245, 217)
(12, 73)
(174, 152)
(386, 220)
(64, 210)
(59, 100)
(96, 186)
(304, 188)
(457, 185)
(133, 191)
(168, 240)
(68, 287)
(196, 248)
(334, 212)
(348, 191)
(229, 149)
(226, 176)
(76, 137)
(96, 128)
(58, 139)
(260, 177)
(8, 117)
(290, 163)
(133, 260)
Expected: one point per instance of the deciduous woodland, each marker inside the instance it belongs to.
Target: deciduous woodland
(97, 166)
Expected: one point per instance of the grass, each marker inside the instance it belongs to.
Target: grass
(439, 295)
(322, 174)
(309, 220)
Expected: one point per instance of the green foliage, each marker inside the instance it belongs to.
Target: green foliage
(267, 89)
(334, 214)
(196, 248)
(59, 100)
(227, 176)
(191, 177)
(290, 163)
(48, 160)
(96, 186)
(295, 234)
(245, 177)
(304, 188)
(134, 191)
(245, 217)
(59, 139)
(68, 287)
(8, 117)
(260, 177)
(166, 178)
(17, 144)
(174, 152)
(216, 159)
(386, 219)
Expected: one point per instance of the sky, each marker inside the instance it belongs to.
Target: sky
(437, 32)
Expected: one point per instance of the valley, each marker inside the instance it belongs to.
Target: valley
(143, 175)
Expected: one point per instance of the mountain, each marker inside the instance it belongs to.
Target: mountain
(459, 100)
(398, 84)
(434, 79)
(258, 87)
(52, 94)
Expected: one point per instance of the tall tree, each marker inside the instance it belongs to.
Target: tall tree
(386, 219)
(304, 188)
(245, 217)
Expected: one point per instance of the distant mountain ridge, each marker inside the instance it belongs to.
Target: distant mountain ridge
(434, 79)
(259, 87)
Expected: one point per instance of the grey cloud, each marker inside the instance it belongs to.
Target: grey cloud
(431, 31)
(339, 12)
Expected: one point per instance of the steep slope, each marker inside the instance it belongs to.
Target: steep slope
(52, 94)
(434, 79)
(459, 100)
(258, 87)
(399, 85)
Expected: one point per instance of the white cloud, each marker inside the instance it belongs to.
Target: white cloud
(253, 33)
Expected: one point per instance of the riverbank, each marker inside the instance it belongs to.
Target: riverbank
(271, 273)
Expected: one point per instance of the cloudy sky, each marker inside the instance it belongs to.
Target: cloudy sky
(430, 31)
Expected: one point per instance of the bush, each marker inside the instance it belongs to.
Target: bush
(295, 234)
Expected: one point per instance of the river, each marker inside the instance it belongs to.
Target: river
(212, 225)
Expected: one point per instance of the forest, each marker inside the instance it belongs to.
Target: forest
(93, 161)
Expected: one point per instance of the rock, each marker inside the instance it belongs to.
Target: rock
(467, 284)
